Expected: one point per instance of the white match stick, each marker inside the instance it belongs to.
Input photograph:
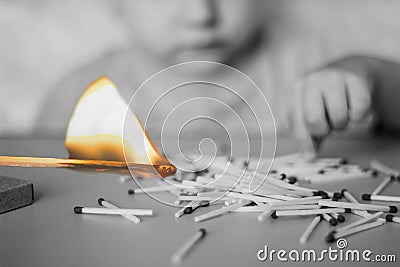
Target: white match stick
(183, 251)
(139, 212)
(335, 235)
(380, 198)
(263, 216)
(361, 221)
(391, 218)
(383, 168)
(336, 177)
(221, 211)
(295, 207)
(249, 209)
(344, 205)
(382, 185)
(278, 213)
(109, 205)
(304, 237)
(202, 198)
(301, 201)
(349, 196)
(152, 189)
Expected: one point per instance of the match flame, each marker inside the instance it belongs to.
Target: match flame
(96, 129)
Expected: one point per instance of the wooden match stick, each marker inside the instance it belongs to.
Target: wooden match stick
(383, 184)
(104, 165)
(310, 229)
(370, 207)
(332, 236)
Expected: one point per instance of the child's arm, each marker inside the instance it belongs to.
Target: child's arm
(341, 92)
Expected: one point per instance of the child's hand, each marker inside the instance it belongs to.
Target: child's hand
(328, 99)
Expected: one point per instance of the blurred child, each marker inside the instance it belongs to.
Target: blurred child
(238, 33)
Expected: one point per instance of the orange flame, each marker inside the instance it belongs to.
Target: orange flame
(96, 128)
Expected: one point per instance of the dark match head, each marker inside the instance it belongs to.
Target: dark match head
(321, 171)
(188, 210)
(335, 198)
(389, 218)
(337, 195)
(343, 190)
(78, 210)
(341, 218)
(393, 209)
(366, 196)
(333, 221)
(131, 191)
(330, 237)
(273, 215)
(343, 161)
(283, 176)
(203, 232)
(100, 201)
(292, 179)
(347, 210)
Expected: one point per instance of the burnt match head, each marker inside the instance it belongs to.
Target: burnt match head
(333, 221)
(78, 210)
(188, 210)
(131, 191)
(366, 196)
(292, 179)
(273, 215)
(337, 195)
(389, 218)
(100, 200)
(203, 232)
(341, 218)
(330, 237)
(393, 209)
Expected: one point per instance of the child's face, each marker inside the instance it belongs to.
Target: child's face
(176, 31)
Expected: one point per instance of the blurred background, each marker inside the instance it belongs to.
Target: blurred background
(43, 41)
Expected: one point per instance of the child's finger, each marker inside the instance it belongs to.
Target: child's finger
(359, 97)
(299, 131)
(314, 109)
(335, 100)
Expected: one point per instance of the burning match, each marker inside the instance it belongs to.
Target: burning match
(99, 144)
(144, 170)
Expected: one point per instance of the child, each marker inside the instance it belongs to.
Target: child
(238, 33)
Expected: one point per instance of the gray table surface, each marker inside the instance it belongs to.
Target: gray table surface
(48, 233)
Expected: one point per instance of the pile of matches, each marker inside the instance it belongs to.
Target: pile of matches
(279, 190)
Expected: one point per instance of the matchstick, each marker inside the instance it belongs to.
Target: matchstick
(87, 164)
(344, 205)
(383, 184)
(360, 221)
(109, 205)
(301, 201)
(314, 223)
(138, 212)
(221, 211)
(153, 189)
(332, 236)
(380, 198)
(184, 250)
(279, 213)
